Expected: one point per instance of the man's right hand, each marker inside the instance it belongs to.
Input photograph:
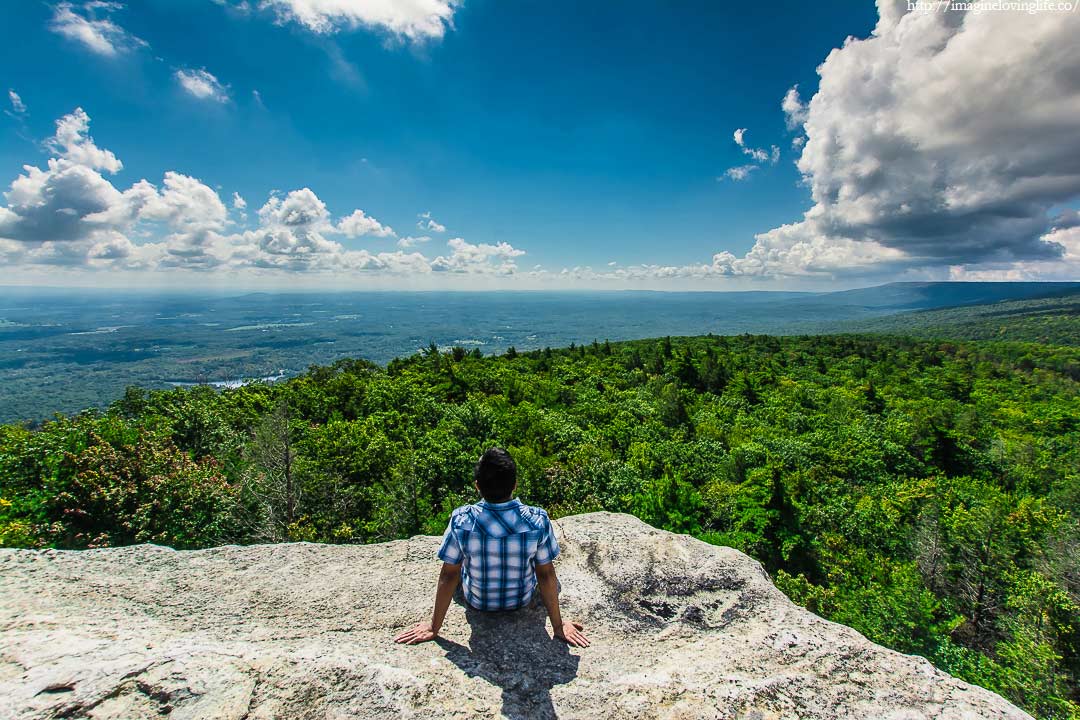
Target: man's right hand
(571, 633)
(421, 632)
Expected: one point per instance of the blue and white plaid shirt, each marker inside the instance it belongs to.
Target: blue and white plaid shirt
(499, 546)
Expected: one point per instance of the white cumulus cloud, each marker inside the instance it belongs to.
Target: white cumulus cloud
(942, 140)
(793, 107)
(72, 142)
(359, 223)
(467, 257)
(70, 214)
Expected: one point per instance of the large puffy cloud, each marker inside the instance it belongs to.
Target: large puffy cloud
(290, 234)
(791, 251)
(72, 142)
(55, 203)
(944, 139)
(300, 209)
(359, 224)
(410, 19)
(396, 262)
(89, 25)
(68, 202)
(292, 237)
(196, 216)
(70, 214)
(185, 204)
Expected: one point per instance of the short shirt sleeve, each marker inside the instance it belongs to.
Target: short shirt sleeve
(548, 547)
(451, 551)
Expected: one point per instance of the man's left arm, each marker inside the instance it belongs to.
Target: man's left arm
(449, 577)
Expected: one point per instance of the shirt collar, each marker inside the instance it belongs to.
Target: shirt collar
(499, 506)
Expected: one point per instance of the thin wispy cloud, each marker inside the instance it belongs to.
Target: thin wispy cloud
(739, 172)
(89, 25)
(18, 107)
(760, 156)
(415, 20)
(202, 85)
(429, 224)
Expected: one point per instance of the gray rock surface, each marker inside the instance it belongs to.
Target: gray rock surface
(680, 629)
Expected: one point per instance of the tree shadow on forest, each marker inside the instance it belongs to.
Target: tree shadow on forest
(513, 651)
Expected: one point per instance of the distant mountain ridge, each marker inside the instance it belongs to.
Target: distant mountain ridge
(927, 295)
(1050, 320)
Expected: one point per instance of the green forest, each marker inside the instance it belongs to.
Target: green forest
(1052, 320)
(924, 492)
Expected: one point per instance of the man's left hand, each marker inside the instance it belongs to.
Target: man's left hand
(421, 632)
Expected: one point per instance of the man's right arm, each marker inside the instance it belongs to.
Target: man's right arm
(548, 584)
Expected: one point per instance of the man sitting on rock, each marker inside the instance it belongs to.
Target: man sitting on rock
(501, 551)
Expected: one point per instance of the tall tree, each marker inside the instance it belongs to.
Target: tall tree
(271, 486)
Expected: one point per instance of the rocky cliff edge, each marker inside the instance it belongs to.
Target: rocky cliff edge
(680, 629)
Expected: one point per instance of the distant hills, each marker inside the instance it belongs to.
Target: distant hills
(1051, 320)
(927, 295)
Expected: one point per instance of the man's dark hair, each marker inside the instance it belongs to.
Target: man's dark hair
(496, 475)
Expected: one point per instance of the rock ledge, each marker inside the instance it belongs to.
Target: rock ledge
(680, 629)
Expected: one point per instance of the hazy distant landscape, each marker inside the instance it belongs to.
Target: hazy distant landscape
(65, 351)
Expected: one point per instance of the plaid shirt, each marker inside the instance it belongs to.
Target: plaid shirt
(498, 546)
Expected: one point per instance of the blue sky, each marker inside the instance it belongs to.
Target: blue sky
(521, 138)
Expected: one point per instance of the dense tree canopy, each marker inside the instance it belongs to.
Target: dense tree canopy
(922, 492)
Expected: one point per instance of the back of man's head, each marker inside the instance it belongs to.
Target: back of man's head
(496, 475)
